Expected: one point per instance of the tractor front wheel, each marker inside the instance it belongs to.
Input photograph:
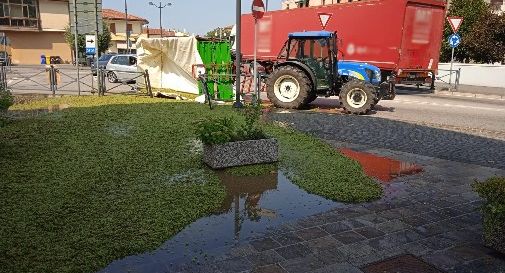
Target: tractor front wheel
(289, 87)
(357, 97)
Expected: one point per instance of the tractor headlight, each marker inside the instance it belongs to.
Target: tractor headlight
(369, 73)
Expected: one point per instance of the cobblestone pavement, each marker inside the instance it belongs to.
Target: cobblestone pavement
(399, 136)
(433, 215)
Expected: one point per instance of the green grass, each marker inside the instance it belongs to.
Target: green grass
(119, 175)
(320, 169)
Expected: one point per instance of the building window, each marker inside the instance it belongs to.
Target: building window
(112, 28)
(129, 28)
(19, 13)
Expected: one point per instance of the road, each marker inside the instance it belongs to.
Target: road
(482, 117)
(451, 128)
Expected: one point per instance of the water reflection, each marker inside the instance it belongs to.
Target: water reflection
(37, 112)
(383, 168)
(252, 205)
(250, 190)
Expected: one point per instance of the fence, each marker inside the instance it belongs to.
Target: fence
(449, 78)
(64, 80)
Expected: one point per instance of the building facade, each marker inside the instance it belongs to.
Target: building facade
(34, 28)
(118, 26)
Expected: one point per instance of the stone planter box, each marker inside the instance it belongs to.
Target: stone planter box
(241, 153)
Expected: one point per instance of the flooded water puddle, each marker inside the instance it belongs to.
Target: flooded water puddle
(38, 111)
(252, 206)
(383, 168)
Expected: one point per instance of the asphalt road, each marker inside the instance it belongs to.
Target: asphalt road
(482, 117)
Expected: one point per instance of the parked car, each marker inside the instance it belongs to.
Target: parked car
(102, 62)
(122, 67)
(5, 58)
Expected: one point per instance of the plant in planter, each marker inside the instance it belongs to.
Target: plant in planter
(493, 191)
(230, 142)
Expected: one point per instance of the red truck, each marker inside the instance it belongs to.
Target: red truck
(401, 37)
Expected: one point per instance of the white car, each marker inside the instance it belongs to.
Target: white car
(122, 68)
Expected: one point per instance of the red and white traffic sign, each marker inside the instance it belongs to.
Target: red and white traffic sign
(258, 9)
(324, 18)
(455, 22)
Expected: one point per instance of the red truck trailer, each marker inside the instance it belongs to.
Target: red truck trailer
(401, 37)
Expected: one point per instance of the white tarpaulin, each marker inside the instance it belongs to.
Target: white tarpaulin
(170, 62)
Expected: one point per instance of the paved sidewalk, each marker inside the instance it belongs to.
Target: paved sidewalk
(471, 91)
(433, 215)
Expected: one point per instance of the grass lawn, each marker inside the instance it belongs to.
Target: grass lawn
(119, 175)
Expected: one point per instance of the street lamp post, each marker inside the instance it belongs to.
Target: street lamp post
(238, 55)
(127, 33)
(160, 7)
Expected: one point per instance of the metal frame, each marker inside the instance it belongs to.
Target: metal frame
(449, 74)
(60, 80)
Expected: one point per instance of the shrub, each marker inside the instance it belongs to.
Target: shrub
(6, 99)
(227, 129)
(3, 122)
(493, 191)
(217, 130)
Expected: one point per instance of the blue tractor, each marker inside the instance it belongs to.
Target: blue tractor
(308, 67)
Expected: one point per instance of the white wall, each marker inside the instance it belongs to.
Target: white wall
(477, 74)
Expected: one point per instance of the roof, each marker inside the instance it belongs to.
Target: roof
(311, 34)
(117, 15)
(156, 31)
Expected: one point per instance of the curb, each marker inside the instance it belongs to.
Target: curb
(469, 95)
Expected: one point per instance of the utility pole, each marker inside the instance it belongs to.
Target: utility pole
(160, 7)
(127, 32)
(238, 54)
(97, 50)
(76, 49)
(161, 25)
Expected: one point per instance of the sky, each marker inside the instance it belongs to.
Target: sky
(195, 16)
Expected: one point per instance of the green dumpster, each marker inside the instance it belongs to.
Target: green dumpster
(218, 65)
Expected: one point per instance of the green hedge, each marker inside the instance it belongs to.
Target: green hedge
(493, 191)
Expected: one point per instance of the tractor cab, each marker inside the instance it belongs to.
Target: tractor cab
(315, 49)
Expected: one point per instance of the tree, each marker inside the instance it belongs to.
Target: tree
(472, 11)
(215, 33)
(486, 42)
(104, 39)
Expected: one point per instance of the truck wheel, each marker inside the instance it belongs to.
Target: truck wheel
(357, 97)
(288, 87)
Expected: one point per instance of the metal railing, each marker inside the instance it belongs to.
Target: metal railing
(54, 80)
(448, 76)
(134, 80)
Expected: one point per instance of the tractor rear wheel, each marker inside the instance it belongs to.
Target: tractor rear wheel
(357, 97)
(288, 87)
(312, 97)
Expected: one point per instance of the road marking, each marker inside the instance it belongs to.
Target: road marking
(502, 109)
